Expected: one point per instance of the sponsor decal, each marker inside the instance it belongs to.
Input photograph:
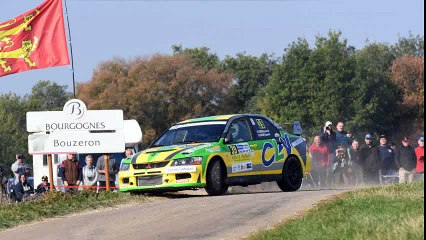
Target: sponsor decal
(297, 142)
(242, 167)
(181, 169)
(252, 122)
(193, 149)
(260, 123)
(213, 149)
(267, 162)
(284, 144)
(240, 148)
(242, 157)
(182, 181)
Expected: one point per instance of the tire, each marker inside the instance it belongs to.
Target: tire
(216, 179)
(292, 175)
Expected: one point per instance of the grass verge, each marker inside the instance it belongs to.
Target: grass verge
(59, 204)
(391, 212)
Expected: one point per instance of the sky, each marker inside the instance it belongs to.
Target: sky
(102, 30)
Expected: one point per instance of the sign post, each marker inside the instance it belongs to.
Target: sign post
(49, 162)
(106, 164)
(76, 130)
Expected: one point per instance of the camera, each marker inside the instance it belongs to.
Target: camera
(328, 128)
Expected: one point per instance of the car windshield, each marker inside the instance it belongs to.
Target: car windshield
(192, 133)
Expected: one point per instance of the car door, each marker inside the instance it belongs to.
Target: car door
(268, 159)
(240, 137)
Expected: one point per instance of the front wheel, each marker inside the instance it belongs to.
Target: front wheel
(292, 175)
(216, 179)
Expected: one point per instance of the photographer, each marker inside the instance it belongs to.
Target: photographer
(328, 137)
(19, 166)
(340, 165)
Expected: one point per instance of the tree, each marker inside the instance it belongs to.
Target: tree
(408, 74)
(158, 91)
(201, 56)
(48, 96)
(311, 85)
(13, 135)
(375, 97)
(413, 45)
(250, 75)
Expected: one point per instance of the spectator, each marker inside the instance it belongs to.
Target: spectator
(371, 161)
(19, 167)
(320, 162)
(340, 165)
(387, 158)
(406, 162)
(354, 156)
(44, 186)
(328, 137)
(128, 153)
(113, 169)
(27, 172)
(420, 155)
(349, 138)
(23, 189)
(341, 135)
(70, 172)
(90, 173)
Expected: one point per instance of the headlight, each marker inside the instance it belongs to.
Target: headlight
(188, 161)
(124, 167)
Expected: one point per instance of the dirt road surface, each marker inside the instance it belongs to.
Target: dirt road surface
(187, 215)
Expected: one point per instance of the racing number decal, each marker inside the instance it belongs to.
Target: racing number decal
(260, 123)
(233, 149)
(267, 162)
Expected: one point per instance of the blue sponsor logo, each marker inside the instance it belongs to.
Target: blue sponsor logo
(284, 144)
(270, 161)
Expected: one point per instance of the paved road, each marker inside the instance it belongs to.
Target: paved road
(188, 215)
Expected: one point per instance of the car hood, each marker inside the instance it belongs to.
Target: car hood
(160, 154)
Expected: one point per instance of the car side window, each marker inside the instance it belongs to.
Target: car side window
(263, 128)
(240, 131)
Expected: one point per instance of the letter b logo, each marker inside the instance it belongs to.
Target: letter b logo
(75, 108)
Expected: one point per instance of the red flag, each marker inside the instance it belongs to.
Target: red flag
(34, 40)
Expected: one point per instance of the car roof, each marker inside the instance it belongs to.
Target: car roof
(219, 118)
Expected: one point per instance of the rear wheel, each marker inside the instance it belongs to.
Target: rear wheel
(292, 175)
(216, 179)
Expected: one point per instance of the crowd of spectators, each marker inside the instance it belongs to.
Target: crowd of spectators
(73, 175)
(338, 159)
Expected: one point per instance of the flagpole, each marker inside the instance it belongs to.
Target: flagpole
(70, 42)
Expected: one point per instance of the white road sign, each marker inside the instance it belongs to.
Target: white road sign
(76, 142)
(75, 117)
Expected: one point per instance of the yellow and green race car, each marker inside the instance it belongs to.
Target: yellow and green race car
(215, 153)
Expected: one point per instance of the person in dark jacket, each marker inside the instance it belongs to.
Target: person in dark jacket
(71, 173)
(370, 158)
(44, 186)
(406, 162)
(23, 189)
(387, 157)
(354, 156)
(328, 137)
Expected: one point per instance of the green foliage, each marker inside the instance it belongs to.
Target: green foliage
(413, 45)
(201, 56)
(45, 96)
(49, 96)
(250, 75)
(375, 96)
(394, 212)
(312, 85)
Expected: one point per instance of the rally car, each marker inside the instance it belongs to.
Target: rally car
(215, 153)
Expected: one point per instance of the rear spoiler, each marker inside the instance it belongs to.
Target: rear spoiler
(297, 127)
